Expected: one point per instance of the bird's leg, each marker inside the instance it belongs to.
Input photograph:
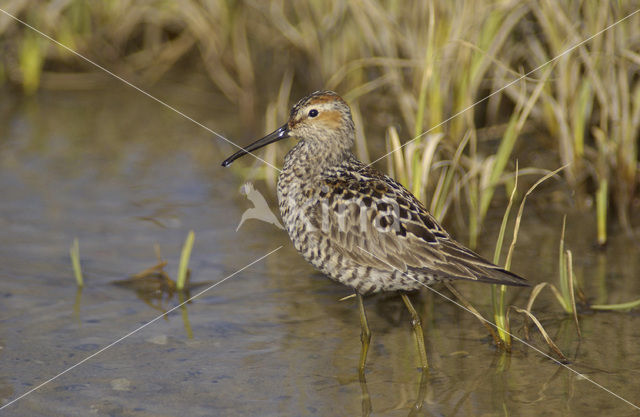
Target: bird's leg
(366, 398)
(365, 335)
(422, 394)
(417, 330)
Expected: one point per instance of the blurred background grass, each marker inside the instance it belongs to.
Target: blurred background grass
(404, 67)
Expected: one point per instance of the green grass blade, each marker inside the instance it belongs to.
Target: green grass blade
(74, 253)
(562, 271)
(572, 295)
(498, 292)
(183, 268)
(499, 314)
(505, 219)
(619, 307)
(602, 201)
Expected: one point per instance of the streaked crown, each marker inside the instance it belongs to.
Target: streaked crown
(323, 119)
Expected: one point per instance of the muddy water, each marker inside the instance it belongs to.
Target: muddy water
(121, 174)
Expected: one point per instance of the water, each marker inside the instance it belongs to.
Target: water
(121, 173)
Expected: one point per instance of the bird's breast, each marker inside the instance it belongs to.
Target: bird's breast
(295, 199)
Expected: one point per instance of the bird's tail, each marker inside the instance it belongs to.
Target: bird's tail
(501, 276)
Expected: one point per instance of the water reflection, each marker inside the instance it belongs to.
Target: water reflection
(415, 409)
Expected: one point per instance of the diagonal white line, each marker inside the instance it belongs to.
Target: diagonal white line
(136, 330)
(170, 107)
(503, 330)
(507, 86)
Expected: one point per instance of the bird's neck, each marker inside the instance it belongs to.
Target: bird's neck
(309, 159)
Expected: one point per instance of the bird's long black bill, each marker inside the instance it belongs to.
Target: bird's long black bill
(281, 133)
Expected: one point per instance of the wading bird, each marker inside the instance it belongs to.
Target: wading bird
(357, 225)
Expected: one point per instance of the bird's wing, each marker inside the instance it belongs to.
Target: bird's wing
(378, 223)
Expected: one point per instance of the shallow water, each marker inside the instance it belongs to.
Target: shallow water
(120, 173)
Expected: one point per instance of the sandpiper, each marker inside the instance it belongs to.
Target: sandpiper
(357, 225)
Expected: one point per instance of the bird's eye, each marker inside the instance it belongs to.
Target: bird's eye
(313, 113)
